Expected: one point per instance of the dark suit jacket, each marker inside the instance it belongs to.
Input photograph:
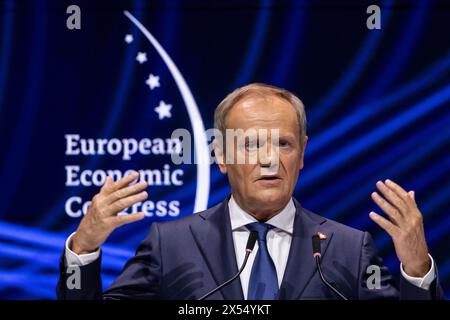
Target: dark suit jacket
(185, 258)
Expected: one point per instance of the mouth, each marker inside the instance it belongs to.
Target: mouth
(269, 179)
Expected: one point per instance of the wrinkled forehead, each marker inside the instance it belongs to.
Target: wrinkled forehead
(259, 110)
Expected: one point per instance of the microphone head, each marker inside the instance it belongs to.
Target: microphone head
(316, 245)
(251, 241)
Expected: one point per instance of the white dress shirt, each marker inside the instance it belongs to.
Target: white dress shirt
(278, 244)
(278, 239)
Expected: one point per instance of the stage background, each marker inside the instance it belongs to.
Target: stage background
(377, 104)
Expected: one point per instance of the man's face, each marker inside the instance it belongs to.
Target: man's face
(264, 187)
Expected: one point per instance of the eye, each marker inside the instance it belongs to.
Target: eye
(251, 145)
(284, 143)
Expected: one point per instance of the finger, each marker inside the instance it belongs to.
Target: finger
(125, 192)
(401, 193)
(128, 218)
(124, 203)
(412, 195)
(125, 181)
(391, 211)
(392, 197)
(107, 185)
(384, 224)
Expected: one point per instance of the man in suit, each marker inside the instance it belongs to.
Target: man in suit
(188, 257)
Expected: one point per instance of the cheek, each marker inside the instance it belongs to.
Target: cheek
(237, 173)
(291, 164)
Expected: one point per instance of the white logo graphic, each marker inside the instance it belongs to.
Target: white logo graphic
(164, 111)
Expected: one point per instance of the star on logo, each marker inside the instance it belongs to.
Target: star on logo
(129, 38)
(141, 57)
(163, 110)
(152, 81)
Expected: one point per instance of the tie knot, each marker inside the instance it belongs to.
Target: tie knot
(260, 228)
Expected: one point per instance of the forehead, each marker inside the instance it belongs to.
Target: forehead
(263, 111)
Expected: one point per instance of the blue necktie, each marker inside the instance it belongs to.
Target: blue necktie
(263, 284)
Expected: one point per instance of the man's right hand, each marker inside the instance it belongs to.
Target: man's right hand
(101, 218)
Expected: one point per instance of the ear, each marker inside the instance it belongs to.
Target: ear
(218, 153)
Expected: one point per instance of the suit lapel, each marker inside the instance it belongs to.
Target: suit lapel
(301, 265)
(214, 238)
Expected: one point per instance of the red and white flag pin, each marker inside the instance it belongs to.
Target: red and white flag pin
(322, 236)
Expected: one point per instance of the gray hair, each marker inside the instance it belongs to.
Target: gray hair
(234, 97)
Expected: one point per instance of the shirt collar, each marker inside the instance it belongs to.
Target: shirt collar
(283, 220)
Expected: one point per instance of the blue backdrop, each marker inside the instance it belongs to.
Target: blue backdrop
(377, 104)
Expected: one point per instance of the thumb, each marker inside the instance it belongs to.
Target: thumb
(412, 194)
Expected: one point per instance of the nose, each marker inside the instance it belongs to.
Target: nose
(269, 158)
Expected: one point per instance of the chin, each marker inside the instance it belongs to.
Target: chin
(272, 197)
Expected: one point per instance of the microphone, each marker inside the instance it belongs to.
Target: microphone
(317, 255)
(248, 249)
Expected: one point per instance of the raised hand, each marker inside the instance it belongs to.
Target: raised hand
(404, 225)
(102, 216)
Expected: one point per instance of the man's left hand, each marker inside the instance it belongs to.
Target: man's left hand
(405, 226)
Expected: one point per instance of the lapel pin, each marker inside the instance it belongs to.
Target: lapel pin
(322, 236)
